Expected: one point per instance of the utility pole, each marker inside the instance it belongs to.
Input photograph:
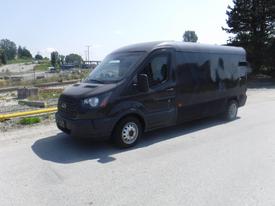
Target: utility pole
(85, 53)
(88, 46)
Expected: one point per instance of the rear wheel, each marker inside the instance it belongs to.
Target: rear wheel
(231, 110)
(127, 132)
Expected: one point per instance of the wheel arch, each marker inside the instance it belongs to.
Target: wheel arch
(132, 114)
(233, 98)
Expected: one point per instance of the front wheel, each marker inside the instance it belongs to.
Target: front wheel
(127, 132)
(231, 110)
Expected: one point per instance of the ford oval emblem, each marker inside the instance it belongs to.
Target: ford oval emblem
(63, 105)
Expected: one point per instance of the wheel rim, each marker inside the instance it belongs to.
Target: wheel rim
(233, 111)
(129, 133)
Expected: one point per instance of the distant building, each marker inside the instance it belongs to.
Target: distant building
(67, 66)
(90, 64)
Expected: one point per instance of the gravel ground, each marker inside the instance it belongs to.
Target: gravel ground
(9, 103)
(17, 68)
(206, 162)
(14, 125)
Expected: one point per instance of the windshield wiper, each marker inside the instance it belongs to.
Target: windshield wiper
(97, 81)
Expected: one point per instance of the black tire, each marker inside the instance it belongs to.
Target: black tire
(231, 111)
(127, 132)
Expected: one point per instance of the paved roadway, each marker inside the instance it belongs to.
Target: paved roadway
(207, 162)
(18, 68)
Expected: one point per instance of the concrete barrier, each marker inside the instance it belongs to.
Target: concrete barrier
(23, 93)
(40, 104)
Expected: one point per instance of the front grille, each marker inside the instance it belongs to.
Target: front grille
(68, 106)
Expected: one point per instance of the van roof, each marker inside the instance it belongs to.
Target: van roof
(181, 46)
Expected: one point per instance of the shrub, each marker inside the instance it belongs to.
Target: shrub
(29, 120)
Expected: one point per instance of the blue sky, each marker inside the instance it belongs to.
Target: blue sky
(67, 26)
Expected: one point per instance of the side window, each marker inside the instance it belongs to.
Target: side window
(187, 68)
(194, 69)
(244, 68)
(157, 69)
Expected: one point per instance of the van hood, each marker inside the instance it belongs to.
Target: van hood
(83, 90)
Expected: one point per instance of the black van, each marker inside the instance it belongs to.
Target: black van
(153, 85)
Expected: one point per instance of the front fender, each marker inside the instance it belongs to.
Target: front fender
(125, 108)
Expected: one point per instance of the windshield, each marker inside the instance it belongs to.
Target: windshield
(114, 67)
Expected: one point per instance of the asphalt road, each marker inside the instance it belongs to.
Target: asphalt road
(207, 162)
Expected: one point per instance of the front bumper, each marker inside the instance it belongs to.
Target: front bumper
(84, 128)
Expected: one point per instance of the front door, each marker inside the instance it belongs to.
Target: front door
(159, 101)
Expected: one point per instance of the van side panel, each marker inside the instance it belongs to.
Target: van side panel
(187, 87)
(205, 83)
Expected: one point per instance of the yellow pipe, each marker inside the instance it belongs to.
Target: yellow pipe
(27, 113)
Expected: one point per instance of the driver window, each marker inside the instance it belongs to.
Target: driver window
(157, 70)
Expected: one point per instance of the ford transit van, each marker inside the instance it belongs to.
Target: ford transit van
(152, 85)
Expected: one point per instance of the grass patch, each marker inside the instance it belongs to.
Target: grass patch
(29, 120)
(46, 94)
(18, 61)
(42, 66)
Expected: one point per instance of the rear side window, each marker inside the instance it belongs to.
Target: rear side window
(244, 68)
(207, 68)
(193, 68)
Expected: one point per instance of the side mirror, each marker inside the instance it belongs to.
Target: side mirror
(143, 83)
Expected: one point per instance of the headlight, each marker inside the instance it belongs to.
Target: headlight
(92, 102)
(99, 101)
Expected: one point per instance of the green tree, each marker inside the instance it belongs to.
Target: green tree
(3, 58)
(23, 53)
(38, 57)
(190, 36)
(252, 23)
(9, 48)
(270, 59)
(19, 51)
(54, 58)
(73, 59)
(62, 59)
